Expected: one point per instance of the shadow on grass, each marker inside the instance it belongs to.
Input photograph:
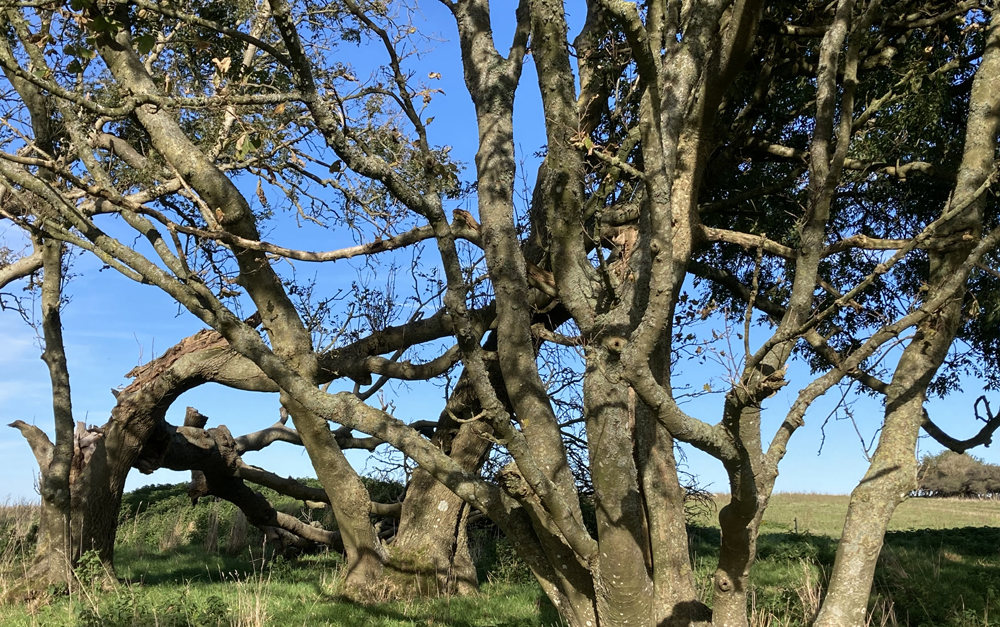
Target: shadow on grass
(924, 576)
(941, 576)
(521, 606)
(180, 565)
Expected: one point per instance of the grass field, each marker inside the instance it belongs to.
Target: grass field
(940, 566)
(823, 514)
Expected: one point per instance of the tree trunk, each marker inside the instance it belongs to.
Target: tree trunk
(55, 555)
(623, 582)
(675, 599)
(349, 499)
(98, 501)
(138, 413)
(431, 549)
(738, 520)
(890, 477)
(729, 593)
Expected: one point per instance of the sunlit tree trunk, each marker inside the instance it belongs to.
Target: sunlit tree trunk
(55, 555)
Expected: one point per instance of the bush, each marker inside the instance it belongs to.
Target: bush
(950, 474)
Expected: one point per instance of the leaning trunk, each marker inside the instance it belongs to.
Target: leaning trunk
(98, 500)
(138, 413)
(891, 475)
(349, 499)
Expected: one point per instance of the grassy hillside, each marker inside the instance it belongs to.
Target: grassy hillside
(200, 566)
(823, 514)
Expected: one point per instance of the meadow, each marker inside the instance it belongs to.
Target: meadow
(200, 566)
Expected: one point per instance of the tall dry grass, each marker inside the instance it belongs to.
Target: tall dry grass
(211, 542)
(237, 539)
(18, 526)
(252, 607)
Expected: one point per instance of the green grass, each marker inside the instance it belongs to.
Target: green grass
(823, 514)
(940, 566)
(303, 592)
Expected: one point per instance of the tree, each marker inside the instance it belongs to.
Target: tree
(950, 474)
(828, 166)
(55, 559)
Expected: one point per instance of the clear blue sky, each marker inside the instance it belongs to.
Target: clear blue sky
(112, 325)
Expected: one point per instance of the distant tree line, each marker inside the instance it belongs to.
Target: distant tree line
(953, 474)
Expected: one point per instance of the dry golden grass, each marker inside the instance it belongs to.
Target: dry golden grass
(17, 527)
(823, 514)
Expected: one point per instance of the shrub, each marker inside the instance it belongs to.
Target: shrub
(950, 474)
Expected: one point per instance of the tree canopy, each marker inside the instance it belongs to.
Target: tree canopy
(810, 180)
(951, 474)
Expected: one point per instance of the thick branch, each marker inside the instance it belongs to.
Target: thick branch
(40, 444)
(983, 438)
(21, 268)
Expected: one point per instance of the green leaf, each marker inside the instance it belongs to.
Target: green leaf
(101, 24)
(74, 67)
(144, 43)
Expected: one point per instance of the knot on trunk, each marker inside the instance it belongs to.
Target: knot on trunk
(197, 487)
(513, 483)
(227, 446)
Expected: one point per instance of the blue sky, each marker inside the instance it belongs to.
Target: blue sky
(112, 325)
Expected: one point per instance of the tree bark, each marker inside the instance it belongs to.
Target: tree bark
(138, 413)
(622, 580)
(430, 548)
(56, 553)
(349, 498)
(675, 600)
(291, 340)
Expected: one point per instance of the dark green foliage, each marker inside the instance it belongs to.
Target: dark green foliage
(159, 518)
(921, 85)
(89, 569)
(953, 474)
(381, 491)
(18, 535)
(496, 560)
(925, 577)
(791, 547)
(13, 540)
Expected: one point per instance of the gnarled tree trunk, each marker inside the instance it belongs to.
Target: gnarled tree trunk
(430, 552)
